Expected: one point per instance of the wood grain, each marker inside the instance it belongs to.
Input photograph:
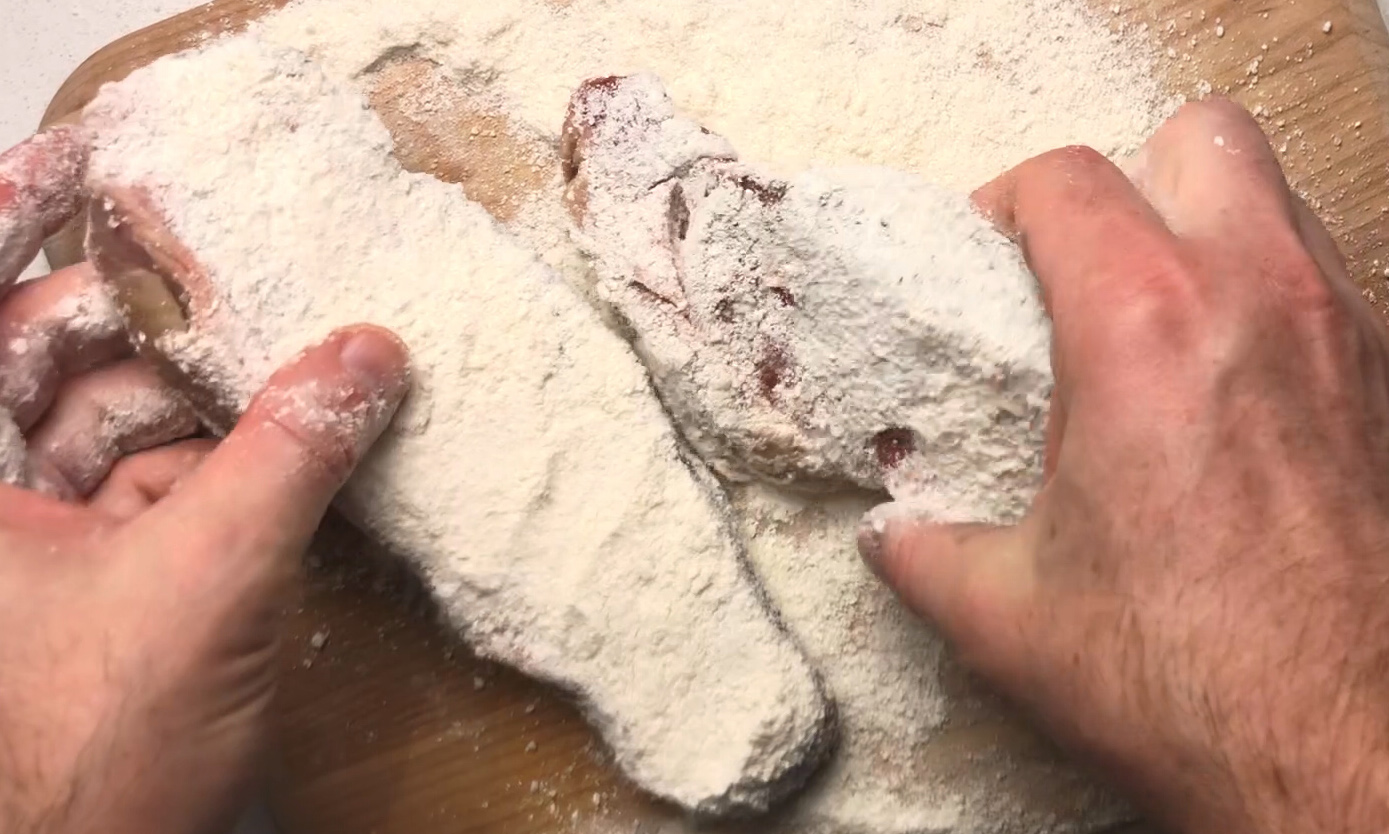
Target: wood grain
(388, 725)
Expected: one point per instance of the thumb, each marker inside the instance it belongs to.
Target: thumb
(265, 488)
(973, 581)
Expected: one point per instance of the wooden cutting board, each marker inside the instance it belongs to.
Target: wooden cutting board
(387, 725)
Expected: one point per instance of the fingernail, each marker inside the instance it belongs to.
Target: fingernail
(877, 529)
(379, 365)
(378, 362)
(870, 543)
(873, 532)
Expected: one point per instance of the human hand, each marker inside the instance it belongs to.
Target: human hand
(1196, 599)
(142, 580)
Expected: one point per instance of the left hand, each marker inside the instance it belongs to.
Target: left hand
(143, 571)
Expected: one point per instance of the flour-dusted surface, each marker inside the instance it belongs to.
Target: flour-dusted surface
(882, 664)
(841, 327)
(955, 90)
(898, 694)
(532, 476)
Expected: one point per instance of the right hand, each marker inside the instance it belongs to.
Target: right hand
(1196, 600)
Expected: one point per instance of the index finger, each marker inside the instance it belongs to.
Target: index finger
(40, 190)
(1078, 219)
(1094, 243)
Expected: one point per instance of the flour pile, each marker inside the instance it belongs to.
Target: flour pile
(953, 90)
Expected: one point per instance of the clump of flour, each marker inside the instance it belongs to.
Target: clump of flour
(533, 478)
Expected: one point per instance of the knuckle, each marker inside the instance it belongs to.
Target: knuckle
(1156, 297)
(329, 450)
(325, 437)
(1077, 160)
(1144, 327)
(1306, 293)
(1316, 302)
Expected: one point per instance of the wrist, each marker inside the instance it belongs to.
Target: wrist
(122, 779)
(1307, 753)
(1333, 782)
(1288, 735)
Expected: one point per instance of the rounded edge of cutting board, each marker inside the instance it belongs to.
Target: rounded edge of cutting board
(123, 56)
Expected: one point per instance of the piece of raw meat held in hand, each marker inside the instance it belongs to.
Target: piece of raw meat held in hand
(531, 476)
(852, 326)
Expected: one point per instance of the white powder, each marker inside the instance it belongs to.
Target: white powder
(532, 477)
(955, 90)
(895, 771)
(842, 327)
(881, 663)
